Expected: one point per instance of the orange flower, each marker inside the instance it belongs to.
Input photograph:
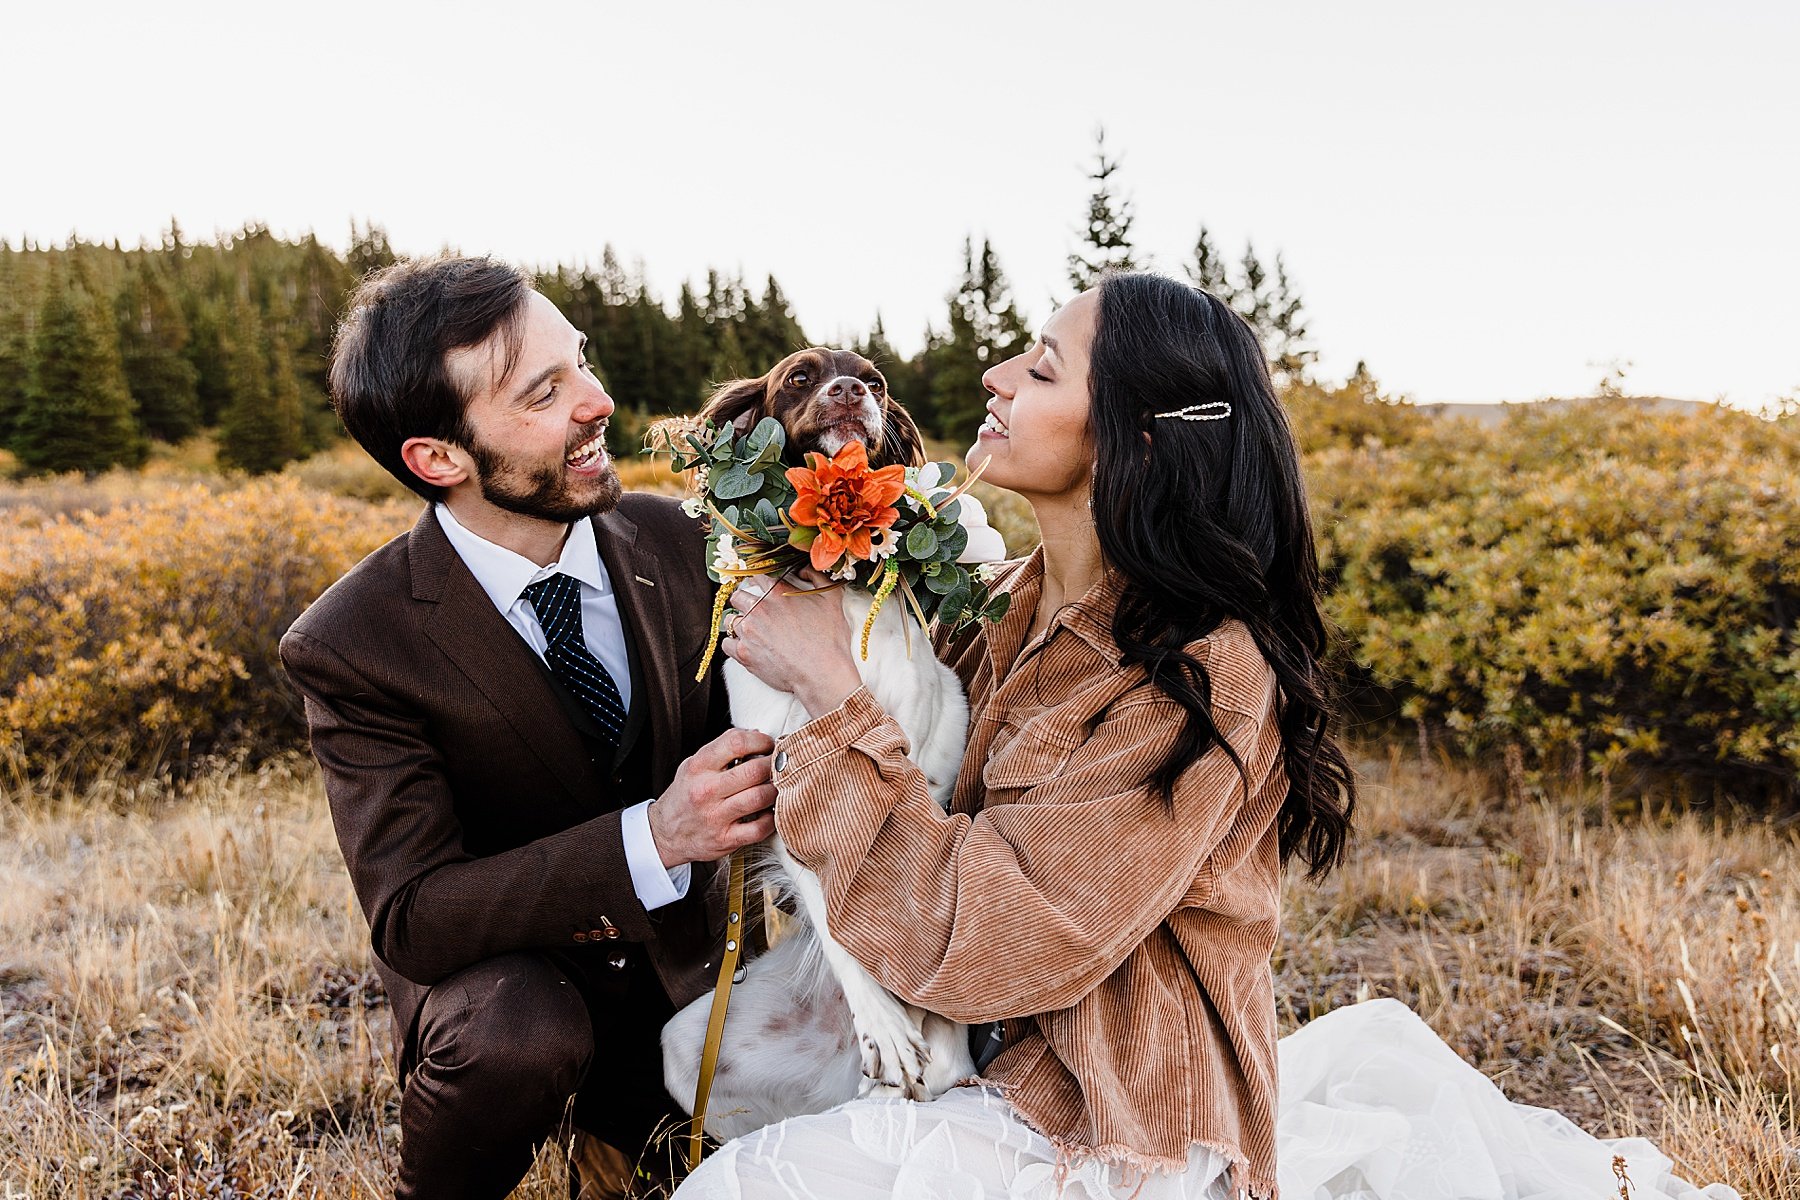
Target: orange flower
(845, 501)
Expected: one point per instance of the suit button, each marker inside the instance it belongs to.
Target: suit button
(580, 936)
(607, 934)
(617, 962)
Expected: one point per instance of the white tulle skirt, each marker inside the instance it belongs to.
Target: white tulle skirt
(1373, 1107)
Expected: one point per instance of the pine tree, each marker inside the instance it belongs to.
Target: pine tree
(17, 316)
(725, 306)
(693, 352)
(1289, 352)
(369, 249)
(1251, 298)
(1106, 240)
(260, 428)
(985, 327)
(770, 331)
(906, 383)
(153, 335)
(211, 346)
(78, 413)
(1208, 270)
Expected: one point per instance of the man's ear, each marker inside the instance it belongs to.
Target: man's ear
(437, 462)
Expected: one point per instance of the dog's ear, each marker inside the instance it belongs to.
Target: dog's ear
(740, 403)
(901, 441)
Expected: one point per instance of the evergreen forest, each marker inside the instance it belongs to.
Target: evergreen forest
(104, 348)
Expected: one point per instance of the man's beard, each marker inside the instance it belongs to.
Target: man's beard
(546, 493)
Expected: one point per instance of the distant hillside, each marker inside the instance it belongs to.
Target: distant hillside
(1489, 414)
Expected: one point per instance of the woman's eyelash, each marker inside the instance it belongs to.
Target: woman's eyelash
(1033, 372)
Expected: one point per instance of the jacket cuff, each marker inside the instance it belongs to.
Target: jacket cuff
(848, 724)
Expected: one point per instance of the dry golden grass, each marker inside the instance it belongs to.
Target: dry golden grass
(186, 1001)
(1641, 974)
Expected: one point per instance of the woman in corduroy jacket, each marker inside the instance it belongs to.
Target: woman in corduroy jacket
(1149, 743)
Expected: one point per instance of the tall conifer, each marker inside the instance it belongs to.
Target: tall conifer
(1208, 269)
(985, 327)
(260, 426)
(17, 316)
(153, 335)
(770, 330)
(1106, 237)
(78, 413)
(1290, 351)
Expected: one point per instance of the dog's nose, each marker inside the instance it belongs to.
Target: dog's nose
(845, 388)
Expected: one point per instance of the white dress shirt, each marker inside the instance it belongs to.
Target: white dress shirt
(504, 576)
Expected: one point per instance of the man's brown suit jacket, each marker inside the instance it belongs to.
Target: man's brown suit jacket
(475, 816)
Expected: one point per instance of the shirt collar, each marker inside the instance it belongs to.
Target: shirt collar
(504, 574)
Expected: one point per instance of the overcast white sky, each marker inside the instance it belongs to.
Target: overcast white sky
(1483, 201)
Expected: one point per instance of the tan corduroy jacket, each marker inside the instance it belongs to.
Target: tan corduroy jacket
(1125, 942)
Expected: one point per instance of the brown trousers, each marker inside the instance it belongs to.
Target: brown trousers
(513, 1051)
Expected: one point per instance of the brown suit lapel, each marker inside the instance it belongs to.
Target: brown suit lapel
(644, 609)
(466, 626)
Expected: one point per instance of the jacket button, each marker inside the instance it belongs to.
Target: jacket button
(580, 936)
(780, 761)
(607, 934)
(617, 962)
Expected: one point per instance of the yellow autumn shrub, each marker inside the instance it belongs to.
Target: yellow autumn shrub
(1602, 586)
(146, 634)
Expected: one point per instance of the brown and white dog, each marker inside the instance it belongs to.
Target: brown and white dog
(809, 1027)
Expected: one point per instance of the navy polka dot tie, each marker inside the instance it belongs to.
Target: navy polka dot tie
(557, 602)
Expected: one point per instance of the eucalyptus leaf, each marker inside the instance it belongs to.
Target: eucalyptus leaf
(921, 543)
(951, 610)
(768, 456)
(952, 544)
(734, 483)
(768, 432)
(951, 511)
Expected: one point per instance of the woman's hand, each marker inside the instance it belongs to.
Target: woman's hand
(794, 640)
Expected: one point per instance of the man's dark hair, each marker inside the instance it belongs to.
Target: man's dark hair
(389, 377)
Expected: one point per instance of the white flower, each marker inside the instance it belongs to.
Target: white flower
(847, 571)
(985, 542)
(928, 477)
(987, 572)
(725, 556)
(883, 544)
(693, 506)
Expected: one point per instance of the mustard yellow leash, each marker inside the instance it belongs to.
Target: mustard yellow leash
(715, 1024)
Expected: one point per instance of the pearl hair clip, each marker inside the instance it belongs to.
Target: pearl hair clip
(1212, 410)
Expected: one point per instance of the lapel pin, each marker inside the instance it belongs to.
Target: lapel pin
(645, 582)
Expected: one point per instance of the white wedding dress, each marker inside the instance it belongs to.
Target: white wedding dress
(1373, 1107)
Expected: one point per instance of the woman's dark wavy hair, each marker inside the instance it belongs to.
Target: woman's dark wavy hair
(1208, 520)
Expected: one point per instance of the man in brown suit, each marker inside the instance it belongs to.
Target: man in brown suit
(495, 700)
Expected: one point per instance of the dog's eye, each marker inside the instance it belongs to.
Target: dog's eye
(798, 379)
(875, 385)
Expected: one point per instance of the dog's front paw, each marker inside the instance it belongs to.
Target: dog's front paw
(894, 1054)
